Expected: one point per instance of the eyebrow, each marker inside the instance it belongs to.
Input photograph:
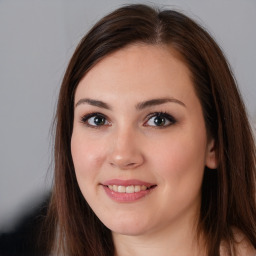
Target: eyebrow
(92, 102)
(154, 102)
(139, 106)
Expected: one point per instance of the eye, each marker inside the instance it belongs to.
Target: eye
(95, 120)
(160, 119)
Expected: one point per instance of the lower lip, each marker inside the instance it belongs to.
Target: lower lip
(126, 197)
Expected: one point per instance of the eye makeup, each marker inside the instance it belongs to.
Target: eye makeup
(94, 120)
(159, 119)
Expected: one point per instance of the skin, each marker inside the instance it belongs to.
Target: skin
(130, 146)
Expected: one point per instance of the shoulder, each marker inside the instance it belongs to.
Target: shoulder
(241, 246)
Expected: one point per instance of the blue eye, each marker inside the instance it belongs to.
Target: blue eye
(160, 119)
(95, 120)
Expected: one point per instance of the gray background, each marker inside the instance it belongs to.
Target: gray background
(37, 38)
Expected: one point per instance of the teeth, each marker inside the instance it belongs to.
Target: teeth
(127, 189)
(137, 188)
(143, 187)
(121, 189)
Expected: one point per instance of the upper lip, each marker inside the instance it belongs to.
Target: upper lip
(127, 182)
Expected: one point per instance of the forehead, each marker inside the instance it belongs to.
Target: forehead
(138, 69)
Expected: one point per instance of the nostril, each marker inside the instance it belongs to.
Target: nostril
(124, 165)
(126, 160)
(131, 164)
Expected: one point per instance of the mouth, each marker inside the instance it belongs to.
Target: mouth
(127, 190)
(130, 189)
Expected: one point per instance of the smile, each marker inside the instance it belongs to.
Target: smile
(128, 189)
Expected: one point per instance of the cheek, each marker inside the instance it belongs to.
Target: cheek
(87, 156)
(181, 158)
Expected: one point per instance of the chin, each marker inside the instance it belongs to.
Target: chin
(129, 228)
(128, 231)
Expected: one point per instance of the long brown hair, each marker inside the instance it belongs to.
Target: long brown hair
(228, 193)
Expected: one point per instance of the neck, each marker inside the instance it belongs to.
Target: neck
(175, 240)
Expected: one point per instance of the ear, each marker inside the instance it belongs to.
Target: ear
(211, 156)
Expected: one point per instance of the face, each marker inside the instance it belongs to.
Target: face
(139, 142)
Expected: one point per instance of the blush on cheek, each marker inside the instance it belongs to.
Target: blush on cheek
(181, 160)
(86, 157)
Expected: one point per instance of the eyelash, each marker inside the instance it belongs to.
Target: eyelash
(166, 116)
(85, 118)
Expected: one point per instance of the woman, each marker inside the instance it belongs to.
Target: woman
(153, 153)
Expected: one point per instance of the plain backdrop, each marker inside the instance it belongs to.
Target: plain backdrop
(37, 38)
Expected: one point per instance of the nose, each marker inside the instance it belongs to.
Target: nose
(126, 151)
